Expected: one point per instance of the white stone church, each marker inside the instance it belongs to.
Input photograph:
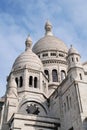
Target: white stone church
(46, 88)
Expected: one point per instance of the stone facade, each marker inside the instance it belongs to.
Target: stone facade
(46, 88)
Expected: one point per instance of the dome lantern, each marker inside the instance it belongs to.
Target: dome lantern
(48, 28)
(28, 43)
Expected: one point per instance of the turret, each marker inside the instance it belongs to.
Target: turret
(11, 101)
(75, 69)
(11, 87)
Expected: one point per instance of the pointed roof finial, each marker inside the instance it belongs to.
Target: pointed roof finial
(48, 28)
(71, 46)
(28, 42)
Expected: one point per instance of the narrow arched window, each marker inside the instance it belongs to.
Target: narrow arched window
(35, 82)
(67, 100)
(70, 102)
(21, 81)
(63, 75)
(77, 59)
(30, 81)
(72, 59)
(16, 80)
(80, 75)
(64, 107)
(54, 75)
(46, 73)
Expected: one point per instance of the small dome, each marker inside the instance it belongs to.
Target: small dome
(28, 58)
(72, 50)
(49, 42)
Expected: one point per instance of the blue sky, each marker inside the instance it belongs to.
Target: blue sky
(18, 18)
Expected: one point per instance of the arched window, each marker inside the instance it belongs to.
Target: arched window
(30, 81)
(80, 75)
(85, 124)
(72, 59)
(54, 75)
(47, 73)
(77, 59)
(64, 107)
(63, 75)
(70, 102)
(35, 82)
(67, 100)
(71, 128)
(21, 81)
(16, 80)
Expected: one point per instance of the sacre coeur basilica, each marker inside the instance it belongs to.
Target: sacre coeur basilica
(46, 88)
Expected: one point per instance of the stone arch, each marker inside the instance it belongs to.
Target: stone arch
(32, 107)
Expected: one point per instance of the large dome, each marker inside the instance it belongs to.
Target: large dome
(49, 42)
(28, 58)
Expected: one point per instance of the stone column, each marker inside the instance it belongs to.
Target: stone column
(50, 76)
(40, 82)
(26, 79)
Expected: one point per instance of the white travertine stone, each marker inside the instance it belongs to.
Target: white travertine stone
(43, 103)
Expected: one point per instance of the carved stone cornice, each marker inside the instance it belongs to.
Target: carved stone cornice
(54, 61)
